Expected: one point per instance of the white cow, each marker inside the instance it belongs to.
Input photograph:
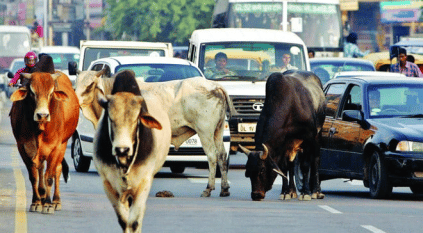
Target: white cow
(194, 105)
(130, 146)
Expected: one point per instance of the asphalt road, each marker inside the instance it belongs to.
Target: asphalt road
(347, 206)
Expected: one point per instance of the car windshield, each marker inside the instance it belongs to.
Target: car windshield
(248, 60)
(395, 100)
(326, 70)
(161, 72)
(61, 60)
(16, 66)
(92, 54)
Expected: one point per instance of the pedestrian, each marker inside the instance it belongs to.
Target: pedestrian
(350, 47)
(30, 59)
(405, 67)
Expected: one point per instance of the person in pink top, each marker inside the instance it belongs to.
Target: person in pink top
(30, 60)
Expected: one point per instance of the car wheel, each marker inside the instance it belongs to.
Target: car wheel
(378, 181)
(178, 169)
(417, 189)
(81, 162)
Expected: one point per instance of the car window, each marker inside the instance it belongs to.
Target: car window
(353, 100)
(334, 67)
(161, 72)
(334, 93)
(398, 100)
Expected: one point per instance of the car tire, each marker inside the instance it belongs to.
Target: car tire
(416, 189)
(81, 162)
(378, 178)
(177, 169)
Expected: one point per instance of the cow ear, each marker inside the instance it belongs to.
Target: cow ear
(60, 95)
(19, 94)
(55, 76)
(150, 122)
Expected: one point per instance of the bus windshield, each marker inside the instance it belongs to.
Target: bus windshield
(318, 25)
(249, 60)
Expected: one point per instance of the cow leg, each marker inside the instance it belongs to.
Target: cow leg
(137, 209)
(285, 188)
(314, 176)
(41, 183)
(53, 162)
(211, 152)
(305, 162)
(292, 189)
(120, 210)
(57, 203)
(222, 161)
(36, 205)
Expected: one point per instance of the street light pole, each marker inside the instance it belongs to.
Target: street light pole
(45, 27)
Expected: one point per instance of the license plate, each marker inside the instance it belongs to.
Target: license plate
(191, 141)
(247, 127)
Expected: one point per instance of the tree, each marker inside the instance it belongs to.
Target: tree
(159, 20)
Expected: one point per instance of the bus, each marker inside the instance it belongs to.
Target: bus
(15, 42)
(317, 22)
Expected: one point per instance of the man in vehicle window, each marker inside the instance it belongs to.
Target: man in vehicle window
(220, 70)
(286, 63)
(405, 67)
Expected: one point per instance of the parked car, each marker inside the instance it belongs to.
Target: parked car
(62, 55)
(149, 69)
(374, 132)
(326, 68)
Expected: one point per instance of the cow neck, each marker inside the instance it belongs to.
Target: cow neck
(137, 145)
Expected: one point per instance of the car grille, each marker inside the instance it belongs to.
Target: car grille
(248, 105)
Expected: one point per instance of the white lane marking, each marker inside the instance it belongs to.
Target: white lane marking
(372, 229)
(330, 209)
(356, 182)
(204, 180)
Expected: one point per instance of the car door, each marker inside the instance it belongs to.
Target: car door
(328, 161)
(344, 135)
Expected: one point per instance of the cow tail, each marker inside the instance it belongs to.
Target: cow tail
(229, 104)
(65, 170)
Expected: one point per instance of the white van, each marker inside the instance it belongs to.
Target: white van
(252, 54)
(15, 42)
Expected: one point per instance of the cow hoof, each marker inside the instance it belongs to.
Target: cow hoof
(285, 197)
(35, 208)
(225, 193)
(318, 196)
(48, 209)
(304, 197)
(57, 206)
(206, 193)
(294, 195)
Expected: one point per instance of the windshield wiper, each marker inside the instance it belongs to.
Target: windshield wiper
(413, 116)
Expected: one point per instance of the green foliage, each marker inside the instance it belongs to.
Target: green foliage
(159, 20)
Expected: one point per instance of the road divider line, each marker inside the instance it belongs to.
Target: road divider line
(20, 210)
(330, 209)
(372, 229)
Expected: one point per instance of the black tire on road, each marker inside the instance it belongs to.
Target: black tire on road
(378, 178)
(177, 169)
(81, 162)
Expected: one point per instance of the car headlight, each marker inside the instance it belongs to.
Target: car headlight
(409, 146)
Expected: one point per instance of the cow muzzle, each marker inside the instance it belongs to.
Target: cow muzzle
(257, 195)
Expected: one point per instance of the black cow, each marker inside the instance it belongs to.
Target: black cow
(289, 126)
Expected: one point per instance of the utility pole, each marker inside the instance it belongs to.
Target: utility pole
(87, 11)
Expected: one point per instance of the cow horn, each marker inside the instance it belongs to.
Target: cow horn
(245, 150)
(266, 152)
(55, 76)
(277, 170)
(101, 72)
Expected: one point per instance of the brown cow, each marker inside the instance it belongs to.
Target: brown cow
(44, 116)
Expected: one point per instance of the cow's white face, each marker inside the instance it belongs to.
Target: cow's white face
(125, 119)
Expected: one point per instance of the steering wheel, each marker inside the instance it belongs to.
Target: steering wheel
(391, 110)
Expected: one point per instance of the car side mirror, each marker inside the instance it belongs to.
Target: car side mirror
(72, 67)
(355, 115)
(10, 75)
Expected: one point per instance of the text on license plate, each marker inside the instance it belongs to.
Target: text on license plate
(247, 127)
(191, 141)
